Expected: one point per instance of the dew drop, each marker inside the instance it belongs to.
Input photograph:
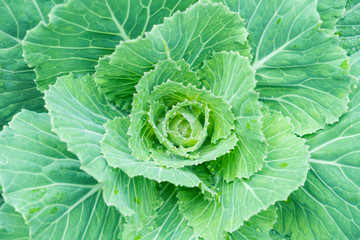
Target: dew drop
(355, 86)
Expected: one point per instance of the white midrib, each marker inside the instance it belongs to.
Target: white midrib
(39, 11)
(259, 63)
(91, 216)
(96, 188)
(324, 162)
(118, 25)
(333, 140)
(352, 9)
(266, 29)
(13, 38)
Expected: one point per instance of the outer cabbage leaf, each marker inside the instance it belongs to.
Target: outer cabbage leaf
(348, 27)
(81, 31)
(257, 227)
(167, 224)
(355, 65)
(191, 35)
(78, 112)
(327, 207)
(17, 88)
(12, 224)
(300, 70)
(284, 171)
(43, 181)
(230, 76)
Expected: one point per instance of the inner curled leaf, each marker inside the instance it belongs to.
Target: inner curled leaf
(182, 129)
(185, 118)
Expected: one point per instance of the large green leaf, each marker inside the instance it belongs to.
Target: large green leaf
(12, 224)
(17, 87)
(348, 27)
(284, 171)
(78, 112)
(355, 65)
(191, 35)
(167, 224)
(81, 31)
(43, 181)
(300, 70)
(327, 207)
(117, 153)
(230, 76)
(257, 227)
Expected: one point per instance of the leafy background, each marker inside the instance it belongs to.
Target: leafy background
(326, 207)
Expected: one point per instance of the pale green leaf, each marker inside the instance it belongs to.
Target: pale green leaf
(230, 76)
(284, 170)
(348, 27)
(43, 181)
(355, 65)
(327, 207)
(300, 70)
(141, 132)
(78, 112)
(117, 153)
(257, 227)
(192, 35)
(81, 31)
(167, 224)
(17, 87)
(12, 224)
(330, 12)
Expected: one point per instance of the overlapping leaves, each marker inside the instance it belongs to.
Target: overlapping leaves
(300, 70)
(17, 87)
(198, 156)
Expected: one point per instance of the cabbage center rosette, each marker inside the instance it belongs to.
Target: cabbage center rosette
(183, 129)
(176, 124)
(184, 124)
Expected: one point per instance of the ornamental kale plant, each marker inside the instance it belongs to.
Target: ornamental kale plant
(212, 119)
